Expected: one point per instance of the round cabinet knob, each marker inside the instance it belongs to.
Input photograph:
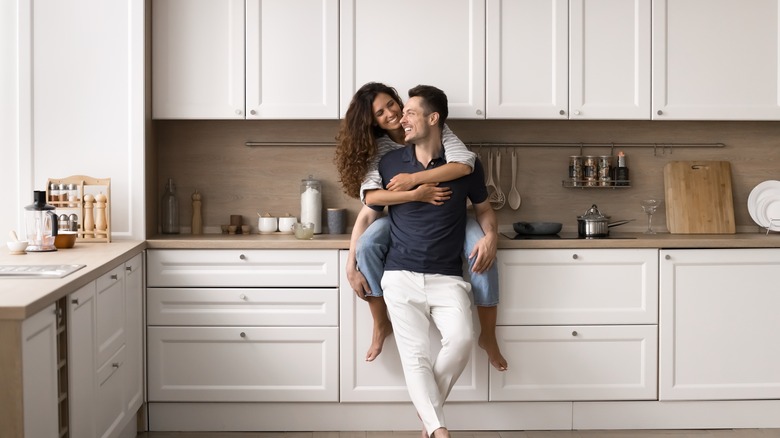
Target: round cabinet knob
(243, 335)
(253, 112)
(562, 112)
(239, 112)
(660, 113)
(243, 297)
(575, 256)
(479, 112)
(577, 112)
(574, 333)
(668, 257)
(242, 257)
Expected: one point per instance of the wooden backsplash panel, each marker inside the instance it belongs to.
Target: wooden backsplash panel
(211, 156)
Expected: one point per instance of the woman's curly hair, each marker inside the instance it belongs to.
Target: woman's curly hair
(356, 141)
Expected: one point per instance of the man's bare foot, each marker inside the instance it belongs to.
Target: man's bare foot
(381, 331)
(490, 345)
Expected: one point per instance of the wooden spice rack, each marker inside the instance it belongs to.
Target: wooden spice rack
(94, 189)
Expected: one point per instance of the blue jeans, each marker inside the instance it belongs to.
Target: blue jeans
(372, 249)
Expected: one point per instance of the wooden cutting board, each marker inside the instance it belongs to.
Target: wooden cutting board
(698, 197)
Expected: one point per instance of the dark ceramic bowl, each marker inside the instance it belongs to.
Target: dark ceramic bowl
(537, 228)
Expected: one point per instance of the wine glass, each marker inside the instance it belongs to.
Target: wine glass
(650, 206)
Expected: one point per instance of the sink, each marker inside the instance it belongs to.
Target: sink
(38, 271)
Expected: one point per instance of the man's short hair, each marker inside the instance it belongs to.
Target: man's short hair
(433, 101)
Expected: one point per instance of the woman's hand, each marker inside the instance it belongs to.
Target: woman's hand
(357, 281)
(402, 182)
(432, 194)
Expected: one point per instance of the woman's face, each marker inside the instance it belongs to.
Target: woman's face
(387, 112)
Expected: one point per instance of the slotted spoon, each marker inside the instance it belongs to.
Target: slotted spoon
(497, 199)
(514, 195)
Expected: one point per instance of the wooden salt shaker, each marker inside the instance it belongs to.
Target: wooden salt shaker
(197, 220)
(101, 221)
(89, 218)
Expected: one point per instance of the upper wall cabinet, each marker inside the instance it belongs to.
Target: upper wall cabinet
(555, 59)
(407, 42)
(253, 59)
(716, 60)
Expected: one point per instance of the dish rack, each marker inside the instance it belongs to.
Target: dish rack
(91, 203)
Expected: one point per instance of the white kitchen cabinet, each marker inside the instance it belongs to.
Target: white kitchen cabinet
(716, 60)
(577, 324)
(577, 59)
(39, 379)
(577, 363)
(718, 322)
(408, 42)
(105, 382)
(382, 380)
(262, 328)
(237, 59)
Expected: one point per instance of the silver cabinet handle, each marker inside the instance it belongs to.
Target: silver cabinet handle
(114, 277)
(75, 301)
(128, 268)
(115, 364)
(243, 297)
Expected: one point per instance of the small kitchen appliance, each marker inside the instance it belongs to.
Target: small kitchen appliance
(40, 224)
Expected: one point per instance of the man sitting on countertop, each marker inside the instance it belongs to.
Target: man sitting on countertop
(423, 269)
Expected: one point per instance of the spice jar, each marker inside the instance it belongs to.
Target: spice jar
(311, 203)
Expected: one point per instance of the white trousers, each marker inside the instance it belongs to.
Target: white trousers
(413, 300)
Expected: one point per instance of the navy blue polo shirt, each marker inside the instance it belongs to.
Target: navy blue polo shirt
(429, 238)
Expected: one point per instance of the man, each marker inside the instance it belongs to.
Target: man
(423, 270)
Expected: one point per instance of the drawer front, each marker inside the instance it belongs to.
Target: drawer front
(224, 364)
(242, 307)
(110, 395)
(577, 363)
(571, 287)
(110, 314)
(237, 268)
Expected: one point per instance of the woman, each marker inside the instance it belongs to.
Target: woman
(371, 128)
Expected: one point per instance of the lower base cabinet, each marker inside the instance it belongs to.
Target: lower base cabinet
(39, 378)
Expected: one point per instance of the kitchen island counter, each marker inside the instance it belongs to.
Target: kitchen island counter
(565, 241)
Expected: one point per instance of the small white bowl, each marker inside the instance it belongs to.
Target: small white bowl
(17, 247)
(304, 231)
(266, 224)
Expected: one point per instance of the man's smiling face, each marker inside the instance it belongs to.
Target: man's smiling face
(416, 124)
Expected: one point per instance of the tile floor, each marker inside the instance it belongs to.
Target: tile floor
(718, 433)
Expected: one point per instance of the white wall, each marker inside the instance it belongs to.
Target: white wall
(76, 81)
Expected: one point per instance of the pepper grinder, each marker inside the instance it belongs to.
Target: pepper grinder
(197, 220)
(101, 221)
(89, 218)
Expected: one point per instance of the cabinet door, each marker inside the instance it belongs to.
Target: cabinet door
(527, 47)
(292, 51)
(716, 60)
(134, 327)
(407, 42)
(110, 397)
(198, 59)
(110, 314)
(577, 363)
(383, 379)
(82, 362)
(609, 59)
(718, 324)
(578, 286)
(243, 364)
(39, 379)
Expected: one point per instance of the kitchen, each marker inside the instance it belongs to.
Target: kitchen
(109, 129)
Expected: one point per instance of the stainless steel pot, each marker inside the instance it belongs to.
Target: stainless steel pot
(595, 224)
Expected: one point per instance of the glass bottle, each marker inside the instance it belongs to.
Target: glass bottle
(311, 203)
(170, 209)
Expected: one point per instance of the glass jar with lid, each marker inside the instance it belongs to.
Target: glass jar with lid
(311, 203)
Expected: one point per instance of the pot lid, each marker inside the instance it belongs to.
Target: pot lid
(593, 214)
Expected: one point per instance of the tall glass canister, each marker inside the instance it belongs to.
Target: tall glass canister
(311, 203)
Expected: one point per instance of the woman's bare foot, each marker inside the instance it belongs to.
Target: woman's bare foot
(441, 432)
(382, 330)
(490, 345)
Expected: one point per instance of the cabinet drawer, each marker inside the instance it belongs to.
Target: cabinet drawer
(223, 364)
(110, 392)
(237, 268)
(242, 307)
(110, 314)
(577, 363)
(571, 287)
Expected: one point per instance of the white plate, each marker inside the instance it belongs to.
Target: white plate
(758, 192)
(769, 211)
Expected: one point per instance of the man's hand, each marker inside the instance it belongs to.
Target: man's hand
(402, 182)
(357, 281)
(432, 194)
(485, 252)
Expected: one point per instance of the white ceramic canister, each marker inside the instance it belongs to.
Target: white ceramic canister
(311, 203)
(286, 224)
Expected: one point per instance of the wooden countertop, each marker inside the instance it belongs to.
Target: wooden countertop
(23, 297)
